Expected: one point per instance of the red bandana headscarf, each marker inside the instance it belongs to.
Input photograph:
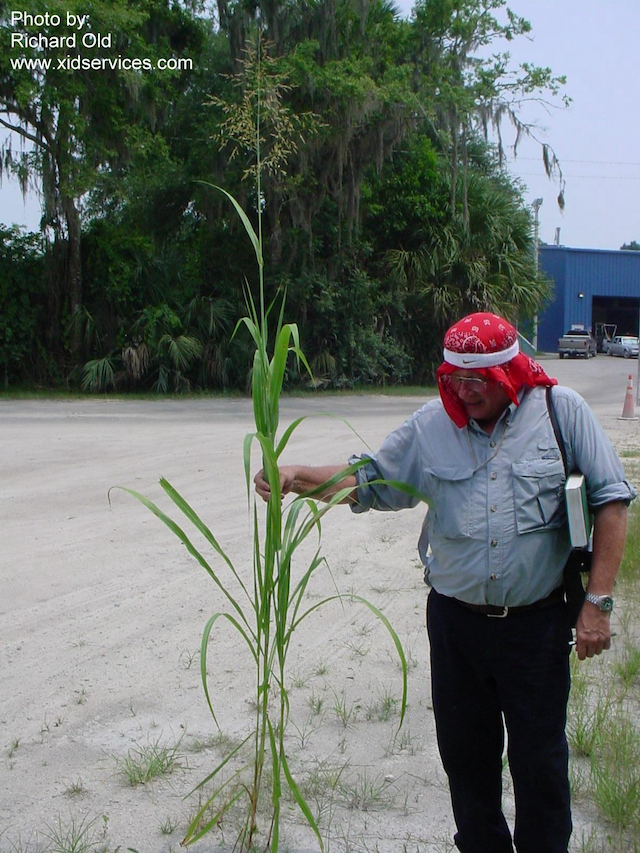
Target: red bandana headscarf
(489, 345)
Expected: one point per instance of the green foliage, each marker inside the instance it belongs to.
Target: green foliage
(614, 771)
(385, 214)
(99, 375)
(21, 299)
(118, 260)
(439, 262)
(348, 338)
(80, 119)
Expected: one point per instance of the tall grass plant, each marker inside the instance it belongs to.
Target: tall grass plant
(265, 611)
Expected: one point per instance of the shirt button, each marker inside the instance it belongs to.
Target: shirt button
(494, 476)
(494, 577)
(492, 444)
(493, 508)
(494, 542)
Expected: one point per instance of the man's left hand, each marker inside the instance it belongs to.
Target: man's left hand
(593, 632)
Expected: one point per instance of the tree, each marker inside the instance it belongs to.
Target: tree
(21, 300)
(633, 246)
(156, 239)
(78, 84)
(440, 262)
(374, 78)
(470, 94)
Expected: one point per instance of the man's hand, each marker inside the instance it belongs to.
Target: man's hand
(301, 479)
(287, 479)
(593, 631)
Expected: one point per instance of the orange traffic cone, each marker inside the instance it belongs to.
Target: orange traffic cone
(628, 413)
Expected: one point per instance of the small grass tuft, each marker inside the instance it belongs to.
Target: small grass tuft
(197, 744)
(75, 789)
(74, 837)
(19, 844)
(304, 732)
(585, 720)
(366, 792)
(383, 709)
(168, 826)
(321, 786)
(345, 713)
(219, 740)
(188, 658)
(404, 741)
(614, 772)
(315, 703)
(145, 762)
(298, 680)
(627, 668)
(357, 649)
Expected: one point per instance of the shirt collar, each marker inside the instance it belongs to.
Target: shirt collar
(511, 408)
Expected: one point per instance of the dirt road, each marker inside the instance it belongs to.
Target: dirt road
(102, 609)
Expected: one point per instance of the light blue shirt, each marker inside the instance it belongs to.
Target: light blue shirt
(496, 531)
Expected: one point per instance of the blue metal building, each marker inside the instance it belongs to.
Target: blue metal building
(592, 286)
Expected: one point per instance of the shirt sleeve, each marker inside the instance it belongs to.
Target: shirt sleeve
(590, 451)
(400, 459)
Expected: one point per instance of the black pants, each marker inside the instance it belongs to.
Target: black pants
(483, 671)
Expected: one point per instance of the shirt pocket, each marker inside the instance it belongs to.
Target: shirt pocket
(538, 490)
(451, 490)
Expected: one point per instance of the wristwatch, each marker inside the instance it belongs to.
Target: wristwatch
(602, 602)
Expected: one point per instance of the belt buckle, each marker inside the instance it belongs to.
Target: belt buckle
(505, 612)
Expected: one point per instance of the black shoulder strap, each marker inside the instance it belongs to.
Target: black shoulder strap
(556, 428)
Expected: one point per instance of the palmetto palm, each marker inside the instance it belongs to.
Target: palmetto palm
(486, 265)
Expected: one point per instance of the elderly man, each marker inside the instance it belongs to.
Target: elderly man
(494, 544)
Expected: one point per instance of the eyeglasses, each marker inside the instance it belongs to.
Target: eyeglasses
(472, 384)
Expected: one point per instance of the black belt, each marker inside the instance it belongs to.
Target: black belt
(498, 611)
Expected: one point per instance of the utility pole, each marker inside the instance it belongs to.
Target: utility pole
(536, 205)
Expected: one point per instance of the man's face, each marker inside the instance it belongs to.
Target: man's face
(484, 401)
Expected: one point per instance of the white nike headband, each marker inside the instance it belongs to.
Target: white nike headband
(479, 360)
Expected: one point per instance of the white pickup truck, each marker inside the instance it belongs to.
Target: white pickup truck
(577, 342)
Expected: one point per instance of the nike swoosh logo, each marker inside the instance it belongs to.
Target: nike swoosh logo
(468, 360)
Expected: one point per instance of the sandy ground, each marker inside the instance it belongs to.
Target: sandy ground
(102, 609)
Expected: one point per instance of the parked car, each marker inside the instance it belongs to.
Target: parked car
(575, 342)
(624, 345)
(604, 333)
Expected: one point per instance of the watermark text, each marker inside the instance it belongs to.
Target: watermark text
(37, 32)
